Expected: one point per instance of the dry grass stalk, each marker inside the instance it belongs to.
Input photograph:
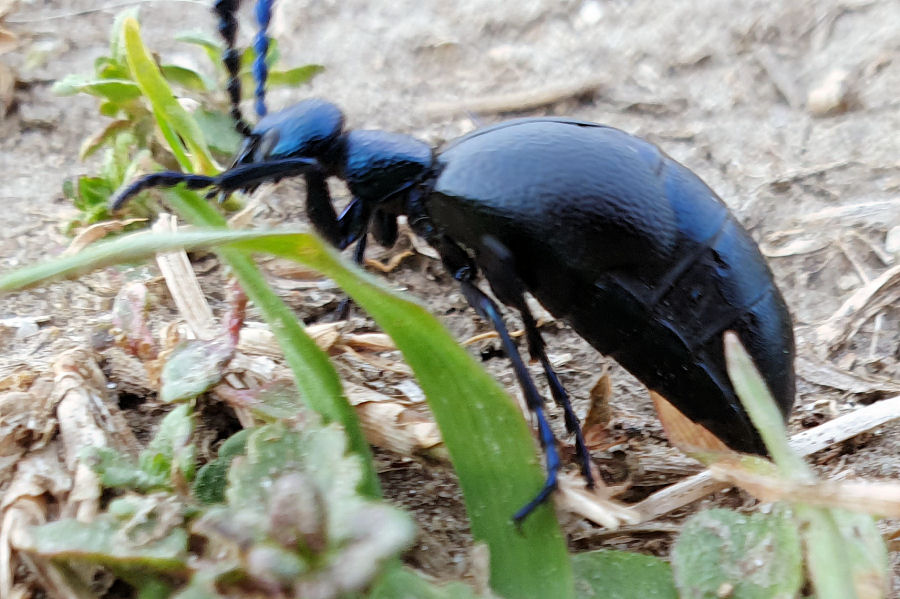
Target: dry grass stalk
(518, 101)
(876, 498)
(96, 232)
(806, 443)
(86, 419)
(596, 506)
(844, 321)
(183, 284)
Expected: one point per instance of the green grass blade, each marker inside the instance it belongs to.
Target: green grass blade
(486, 436)
(762, 409)
(130, 248)
(827, 554)
(313, 372)
(488, 440)
(315, 376)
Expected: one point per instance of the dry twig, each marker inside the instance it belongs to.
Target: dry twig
(517, 101)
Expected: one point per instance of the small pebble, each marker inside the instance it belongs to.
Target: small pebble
(892, 241)
(832, 95)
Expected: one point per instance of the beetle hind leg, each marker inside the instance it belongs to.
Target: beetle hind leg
(460, 265)
(498, 265)
(488, 309)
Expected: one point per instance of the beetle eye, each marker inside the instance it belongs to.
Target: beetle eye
(266, 145)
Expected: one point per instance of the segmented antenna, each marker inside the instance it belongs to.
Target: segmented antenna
(261, 45)
(226, 9)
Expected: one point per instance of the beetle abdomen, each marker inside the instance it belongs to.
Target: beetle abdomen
(632, 249)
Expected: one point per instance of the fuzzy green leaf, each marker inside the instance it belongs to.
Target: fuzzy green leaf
(741, 556)
(403, 583)
(193, 367)
(293, 509)
(209, 487)
(608, 574)
(148, 536)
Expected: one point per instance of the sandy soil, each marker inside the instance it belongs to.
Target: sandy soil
(733, 89)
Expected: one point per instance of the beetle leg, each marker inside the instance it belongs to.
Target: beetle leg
(498, 265)
(463, 270)
(240, 177)
(384, 228)
(354, 225)
(488, 309)
(320, 210)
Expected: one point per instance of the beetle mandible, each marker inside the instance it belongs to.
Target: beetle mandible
(606, 231)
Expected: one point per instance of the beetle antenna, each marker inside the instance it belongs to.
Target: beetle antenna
(226, 9)
(261, 45)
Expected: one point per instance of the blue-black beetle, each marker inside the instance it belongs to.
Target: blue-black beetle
(610, 234)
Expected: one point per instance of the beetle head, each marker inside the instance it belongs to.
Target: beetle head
(308, 129)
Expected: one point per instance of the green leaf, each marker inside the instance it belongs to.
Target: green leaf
(210, 44)
(294, 77)
(107, 68)
(832, 558)
(103, 137)
(171, 450)
(93, 191)
(209, 487)
(606, 574)
(68, 189)
(404, 583)
(120, 543)
(762, 409)
(186, 78)
(117, 50)
(193, 367)
(110, 109)
(741, 556)
(218, 128)
(117, 471)
(114, 90)
(293, 509)
(170, 456)
(174, 121)
(868, 556)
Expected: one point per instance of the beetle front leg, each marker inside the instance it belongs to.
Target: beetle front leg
(319, 208)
